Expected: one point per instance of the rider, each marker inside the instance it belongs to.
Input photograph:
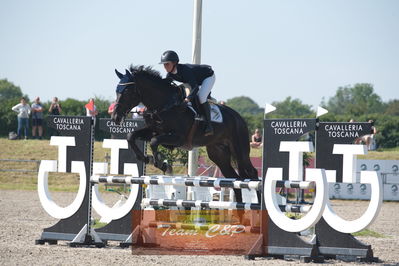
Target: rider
(200, 77)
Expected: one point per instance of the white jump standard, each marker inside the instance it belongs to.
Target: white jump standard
(280, 162)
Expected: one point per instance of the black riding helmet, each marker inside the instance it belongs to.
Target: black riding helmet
(169, 56)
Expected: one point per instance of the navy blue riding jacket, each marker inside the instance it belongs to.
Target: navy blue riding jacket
(191, 74)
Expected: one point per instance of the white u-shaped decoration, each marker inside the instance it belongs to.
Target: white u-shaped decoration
(47, 202)
(344, 226)
(315, 213)
(99, 205)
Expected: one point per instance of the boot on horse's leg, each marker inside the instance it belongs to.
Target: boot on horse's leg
(207, 114)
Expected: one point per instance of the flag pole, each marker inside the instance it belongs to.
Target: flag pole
(196, 59)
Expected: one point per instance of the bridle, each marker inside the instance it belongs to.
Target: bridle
(134, 90)
(127, 83)
(156, 113)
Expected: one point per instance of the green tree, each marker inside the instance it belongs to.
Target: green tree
(392, 108)
(102, 106)
(9, 91)
(357, 100)
(73, 107)
(387, 131)
(253, 122)
(173, 156)
(292, 108)
(244, 105)
(9, 96)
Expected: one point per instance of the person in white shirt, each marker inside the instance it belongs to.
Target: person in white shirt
(23, 109)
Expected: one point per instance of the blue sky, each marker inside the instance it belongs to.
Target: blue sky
(263, 49)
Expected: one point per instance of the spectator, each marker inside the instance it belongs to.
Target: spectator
(256, 140)
(23, 110)
(37, 118)
(138, 110)
(369, 139)
(91, 110)
(111, 108)
(357, 140)
(55, 107)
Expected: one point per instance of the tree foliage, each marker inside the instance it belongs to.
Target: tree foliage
(10, 95)
(253, 122)
(253, 114)
(292, 108)
(8, 91)
(244, 105)
(392, 108)
(71, 106)
(357, 100)
(387, 131)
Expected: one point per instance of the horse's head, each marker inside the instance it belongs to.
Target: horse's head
(127, 94)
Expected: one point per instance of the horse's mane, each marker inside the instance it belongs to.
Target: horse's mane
(154, 75)
(148, 71)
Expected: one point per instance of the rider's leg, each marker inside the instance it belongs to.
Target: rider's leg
(203, 93)
(206, 88)
(206, 110)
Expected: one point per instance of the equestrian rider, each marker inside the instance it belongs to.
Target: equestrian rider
(200, 77)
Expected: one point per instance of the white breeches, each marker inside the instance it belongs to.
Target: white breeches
(206, 88)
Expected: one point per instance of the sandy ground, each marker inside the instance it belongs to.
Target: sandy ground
(23, 218)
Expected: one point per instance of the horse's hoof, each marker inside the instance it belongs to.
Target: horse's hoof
(167, 169)
(149, 159)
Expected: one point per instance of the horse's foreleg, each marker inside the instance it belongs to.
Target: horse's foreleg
(168, 139)
(144, 134)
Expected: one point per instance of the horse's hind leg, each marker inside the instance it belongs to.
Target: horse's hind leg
(221, 156)
(245, 168)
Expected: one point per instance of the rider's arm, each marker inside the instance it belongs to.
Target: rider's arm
(188, 77)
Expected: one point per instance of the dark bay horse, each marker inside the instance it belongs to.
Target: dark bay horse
(169, 122)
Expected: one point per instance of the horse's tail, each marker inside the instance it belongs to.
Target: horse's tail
(240, 147)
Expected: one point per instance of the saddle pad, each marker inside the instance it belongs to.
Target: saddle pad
(216, 114)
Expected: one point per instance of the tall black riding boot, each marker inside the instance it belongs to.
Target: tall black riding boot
(207, 114)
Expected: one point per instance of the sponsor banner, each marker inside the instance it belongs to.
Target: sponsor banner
(278, 130)
(332, 133)
(78, 127)
(191, 232)
(122, 151)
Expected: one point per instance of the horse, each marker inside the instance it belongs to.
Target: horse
(170, 123)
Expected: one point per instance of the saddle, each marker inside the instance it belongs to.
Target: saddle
(216, 115)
